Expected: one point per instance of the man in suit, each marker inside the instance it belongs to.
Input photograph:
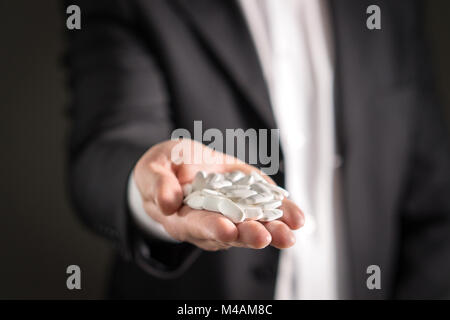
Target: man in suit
(140, 69)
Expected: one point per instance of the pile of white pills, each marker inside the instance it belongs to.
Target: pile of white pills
(236, 195)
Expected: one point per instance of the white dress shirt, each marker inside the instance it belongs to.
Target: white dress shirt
(295, 51)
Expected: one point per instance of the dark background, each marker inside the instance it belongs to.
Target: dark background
(39, 232)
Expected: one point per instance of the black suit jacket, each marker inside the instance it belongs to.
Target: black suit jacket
(139, 69)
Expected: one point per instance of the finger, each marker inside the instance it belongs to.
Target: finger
(253, 234)
(169, 194)
(282, 236)
(210, 245)
(207, 225)
(292, 215)
(160, 187)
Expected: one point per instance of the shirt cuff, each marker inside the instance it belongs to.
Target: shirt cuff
(142, 219)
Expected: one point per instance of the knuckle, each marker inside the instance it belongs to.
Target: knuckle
(224, 231)
(262, 241)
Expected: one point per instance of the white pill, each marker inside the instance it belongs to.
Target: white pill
(257, 176)
(278, 189)
(219, 184)
(234, 176)
(252, 213)
(271, 204)
(214, 177)
(236, 195)
(209, 192)
(196, 202)
(199, 180)
(202, 173)
(241, 193)
(258, 198)
(211, 203)
(234, 187)
(278, 196)
(247, 180)
(231, 210)
(260, 187)
(187, 189)
(195, 193)
(271, 214)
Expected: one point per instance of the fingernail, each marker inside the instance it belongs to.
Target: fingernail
(292, 239)
(302, 219)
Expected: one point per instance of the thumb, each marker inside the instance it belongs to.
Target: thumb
(159, 185)
(168, 195)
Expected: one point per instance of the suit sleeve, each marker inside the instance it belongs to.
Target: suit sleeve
(425, 252)
(119, 108)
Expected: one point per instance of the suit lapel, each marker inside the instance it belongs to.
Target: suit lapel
(222, 29)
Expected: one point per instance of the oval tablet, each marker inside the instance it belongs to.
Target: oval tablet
(260, 187)
(271, 214)
(199, 180)
(252, 213)
(234, 176)
(187, 189)
(214, 177)
(219, 184)
(278, 189)
(258, 198)
(210, 192)
(241, 193)
(211, 203)
(234, 187)
(257, 176)
(196, 202)
(271, 204)
(192, 194)
(278, 196)
(246, 180)
(231, 210)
